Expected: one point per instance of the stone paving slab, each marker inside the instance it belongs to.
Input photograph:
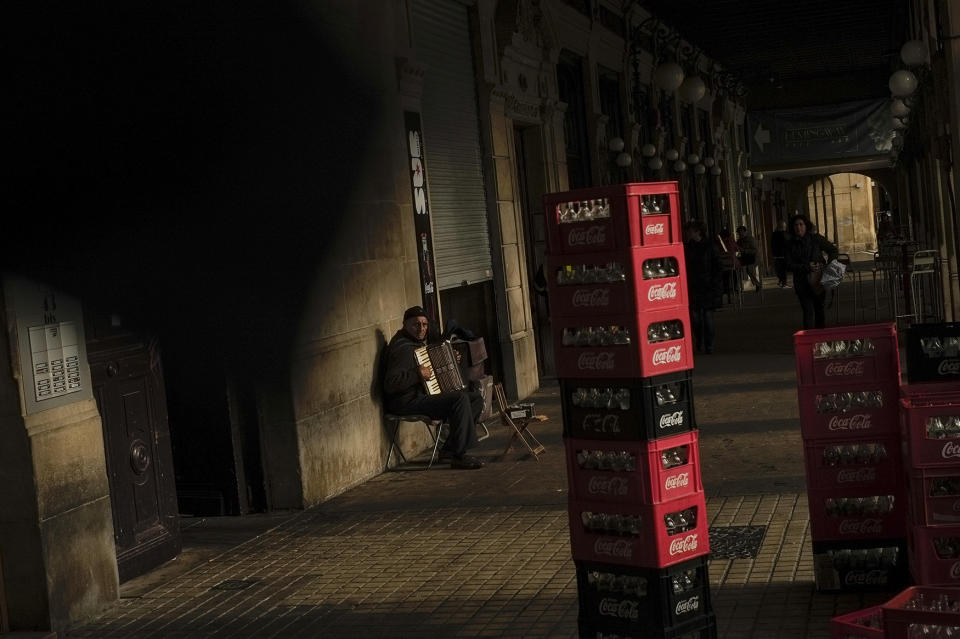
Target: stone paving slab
(460, 572)
(440, 553)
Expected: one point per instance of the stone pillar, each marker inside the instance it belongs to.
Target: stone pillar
(56, 523)
(507, 237)
(951, 43)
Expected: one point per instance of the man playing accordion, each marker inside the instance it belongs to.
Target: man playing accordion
(403, 386)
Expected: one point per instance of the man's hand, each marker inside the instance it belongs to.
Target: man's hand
(426, 371)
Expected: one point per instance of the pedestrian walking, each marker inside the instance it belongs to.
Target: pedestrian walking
(704, 287)
(728, 252)
(748, 256)
(805, 260)
(779, 240)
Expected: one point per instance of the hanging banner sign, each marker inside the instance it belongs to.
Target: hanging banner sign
(817, 134)
(421, 219)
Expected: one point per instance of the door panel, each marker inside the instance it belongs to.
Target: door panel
(128, 386)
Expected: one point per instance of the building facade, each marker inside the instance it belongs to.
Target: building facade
(331, 164)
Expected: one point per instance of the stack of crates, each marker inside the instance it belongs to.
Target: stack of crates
(930, 424)
(618, 300)
(848, 383)
(924, 612)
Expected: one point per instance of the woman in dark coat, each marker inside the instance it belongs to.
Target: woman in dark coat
(704, 286)
(804, 259)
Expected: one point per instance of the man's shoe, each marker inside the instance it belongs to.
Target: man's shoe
(466, 462)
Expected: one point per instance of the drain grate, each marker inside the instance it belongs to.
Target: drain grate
(736, 542)
(234, 584)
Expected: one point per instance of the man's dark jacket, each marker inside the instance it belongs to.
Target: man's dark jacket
(401, 381)
(704, 284)
(805, 249)
(779, 241)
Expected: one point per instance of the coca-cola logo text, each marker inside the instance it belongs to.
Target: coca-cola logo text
(950, 449)
(861, 527)
(687, 544)
(662, 292)
(596, 361)
(654, 229)
(854, 422)
(666, 355)
(949, 367)
(586, 236)
(584, 297)
(688, 605)
(676, 481)
(671, 419)
(856, 475)
(620, 548)
(620, 608)
(865, 578)
(607, 486)
(955, 570)
(844, 369)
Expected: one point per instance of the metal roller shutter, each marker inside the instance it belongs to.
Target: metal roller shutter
(461, 238)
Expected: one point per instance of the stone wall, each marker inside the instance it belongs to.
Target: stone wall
(360, 288)
(56, 524)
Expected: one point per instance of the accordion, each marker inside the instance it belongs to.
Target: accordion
(446, 370)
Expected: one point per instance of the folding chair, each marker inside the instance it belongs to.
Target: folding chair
(520, 431)
(433, 426)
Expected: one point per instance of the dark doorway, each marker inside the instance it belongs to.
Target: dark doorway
(127, 376)
(472, 308)
(215, 429)
(531, 188)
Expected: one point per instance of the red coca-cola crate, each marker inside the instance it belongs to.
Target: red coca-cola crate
(933, 352)
(858, 565)
(935, 496)
(628, 409)
(847, 411)
(649, 482)
(652, 546)
(623, 225)
(934, 554)
(862, 624)
(641, 601)
(639, 358)
(921, 606)
(836, 464)
(856, 514)
(613, 283)
(930, 424)
(881, 365)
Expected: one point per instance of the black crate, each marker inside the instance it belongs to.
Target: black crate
(848, 570)
(643, 600)
(926, 362)
(646, 418)
(705, 627)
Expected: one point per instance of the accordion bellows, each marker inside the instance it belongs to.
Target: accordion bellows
(446, 370)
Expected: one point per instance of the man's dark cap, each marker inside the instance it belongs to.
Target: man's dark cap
(414, 311)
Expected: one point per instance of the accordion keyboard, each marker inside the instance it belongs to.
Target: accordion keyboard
(423, 359)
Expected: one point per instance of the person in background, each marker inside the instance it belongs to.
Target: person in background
(406, 395)
(805, 260)
(779, 240)
(704, 288)
(728, 252)
(748, 256)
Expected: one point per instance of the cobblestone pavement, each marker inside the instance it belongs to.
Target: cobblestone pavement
(486, 553)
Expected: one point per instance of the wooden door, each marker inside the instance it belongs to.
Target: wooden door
(127, 381)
